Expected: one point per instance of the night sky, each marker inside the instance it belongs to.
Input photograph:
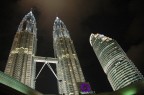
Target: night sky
(122, 20)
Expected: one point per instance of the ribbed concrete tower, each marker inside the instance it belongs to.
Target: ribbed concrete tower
(20, 64)
(119, 69)
(68, 69)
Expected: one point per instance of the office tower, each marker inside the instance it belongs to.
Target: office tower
(68, 69)
(20, 64)
(119, 69)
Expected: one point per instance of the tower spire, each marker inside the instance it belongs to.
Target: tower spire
(31, 10)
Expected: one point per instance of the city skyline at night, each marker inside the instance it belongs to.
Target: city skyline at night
(121, 20)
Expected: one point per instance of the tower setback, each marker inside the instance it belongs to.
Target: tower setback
(20, 64)
(119, 69)
(68, 69)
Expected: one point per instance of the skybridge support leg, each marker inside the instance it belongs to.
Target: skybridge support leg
(40, 71)
(52, 70)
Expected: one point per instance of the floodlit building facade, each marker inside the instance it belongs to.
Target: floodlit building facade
(120, 70)
(22, 60)
(20, 64)
(68, 68)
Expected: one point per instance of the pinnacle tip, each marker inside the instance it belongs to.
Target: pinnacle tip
(57, 17)
(31, 10)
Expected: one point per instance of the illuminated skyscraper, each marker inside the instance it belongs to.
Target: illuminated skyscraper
(68, 69)
(119, 69)
(20, 64)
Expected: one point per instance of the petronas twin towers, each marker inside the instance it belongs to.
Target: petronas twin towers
(22, 60)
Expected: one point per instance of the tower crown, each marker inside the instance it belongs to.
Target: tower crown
(98, 36)
(28, 23)
(58, 23)
(59, 29)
